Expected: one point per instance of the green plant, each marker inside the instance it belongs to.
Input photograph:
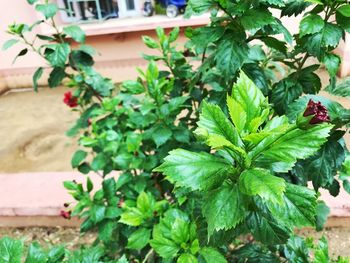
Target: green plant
(247, 175)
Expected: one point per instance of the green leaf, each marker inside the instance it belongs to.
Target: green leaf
(266, 229)
(36, 76)
(280, 151)
(145, 203)
(10, 250)
(131, 216)
(49, 10)
(36, 254)
(223, 208)
(32, 1)
(230, 55)
(89, 185)
(344, 10)
(22, 53)
(75, 32)
(260, 182)
(164, 247)
(56, 254)
(294, 7)
(198, 171)
(161, 134)
(57, 54)
(150, 42)
(322, 212)
(215, 122)
(321, 251)
(139, 239)
(212, 255)
(237, 113)
(256, 18)
(56, 77)
(323, 166)
(78, 157)
(122, 260)
(187, 258)
(255, 253)
(296, 250)
(311, 24)
(134, 87)
(80, 59)
(332, 63)
(251, 100)
(97, 213)
(299, 207)
(9, 43)
(70, 185)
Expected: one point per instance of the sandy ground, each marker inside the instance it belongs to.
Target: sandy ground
(338, 238)
(32, 128)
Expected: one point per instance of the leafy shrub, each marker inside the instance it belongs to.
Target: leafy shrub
(251, 129)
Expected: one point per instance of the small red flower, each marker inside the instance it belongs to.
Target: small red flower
(65, 214)
(319, 112)
(70, 100)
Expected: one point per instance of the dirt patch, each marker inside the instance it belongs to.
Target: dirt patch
(32, 131)
(338, 238)
(71, 238)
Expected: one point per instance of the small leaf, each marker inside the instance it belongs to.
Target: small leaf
(261, 182)
(36, 76)
(212, 255)
(78, 157)
(56, 76)
(150, 42)
(75, 32)
(139, 239)
(187, 258)
(20, 54)
(49, 10)
(332, 63)
(322, 212)
(9, 43)
(132, 217)
(161, 135)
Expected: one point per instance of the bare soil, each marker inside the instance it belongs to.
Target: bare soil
(32, 132)
(338, 238)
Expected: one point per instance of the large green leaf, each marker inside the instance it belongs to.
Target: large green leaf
(256, 18)
(75, 32)
(280, 152)
(57, 54)
(323, 166)
(195, 170)
(267, 229)
(299, 207)
(260, 182)
(223, 208)
(215, 122)
(49, 10)
(36, 254)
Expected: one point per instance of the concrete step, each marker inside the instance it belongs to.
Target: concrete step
(36, 199)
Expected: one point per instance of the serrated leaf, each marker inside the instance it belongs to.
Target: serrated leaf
(256, 18)
(294, 7)
(332, 63)
(215, 122)
(161, 134)
(139, 239)
(223, 208)
(322, 212)
(131, 216)
(298, 208)
(280, 152)
(250, 98)
(260, 182)
(311, 24)
(296, 250)
(56, 76)
(267, 229)
(75, 32)
(198, 171)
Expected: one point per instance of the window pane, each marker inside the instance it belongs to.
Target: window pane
(130, 4)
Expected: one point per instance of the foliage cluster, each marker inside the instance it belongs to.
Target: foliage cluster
(206, 155)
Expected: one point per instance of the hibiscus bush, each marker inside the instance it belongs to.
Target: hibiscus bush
(209, 162)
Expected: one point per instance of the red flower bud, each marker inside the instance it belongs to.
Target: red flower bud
(65, 214)
(319, 112)
(70, 100)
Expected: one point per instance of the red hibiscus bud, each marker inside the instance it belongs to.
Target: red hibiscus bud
(65, 214)
(70, 100)
(318, 111)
